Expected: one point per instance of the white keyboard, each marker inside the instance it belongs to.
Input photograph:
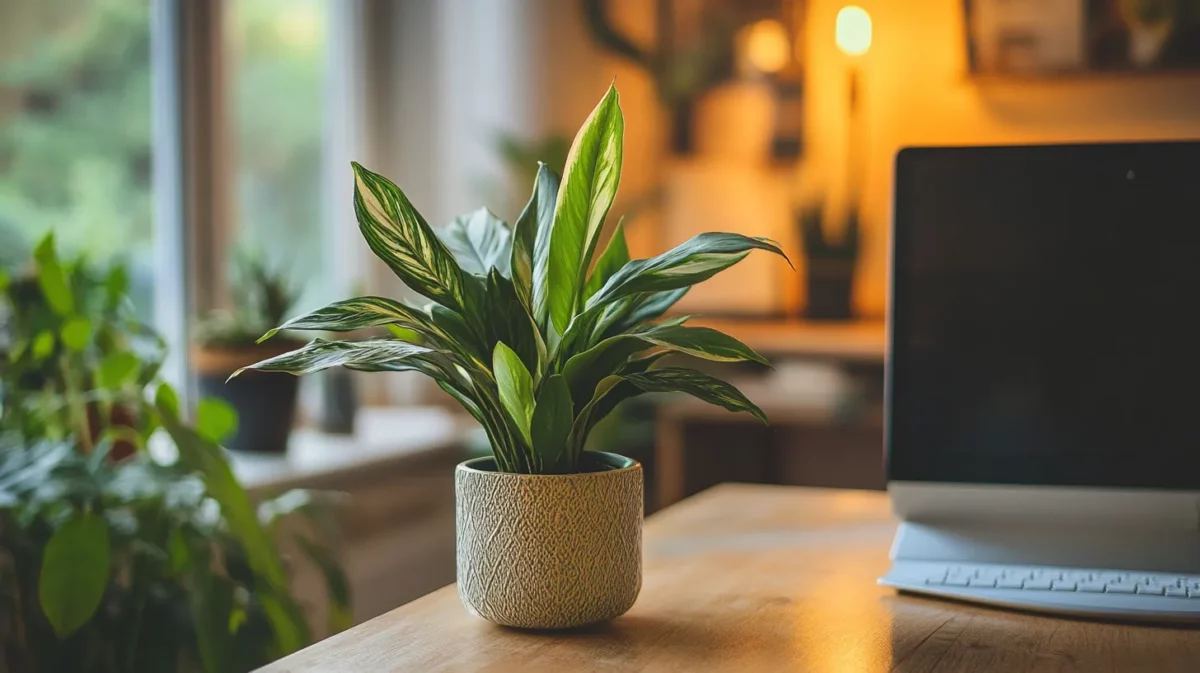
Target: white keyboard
(1076, 591)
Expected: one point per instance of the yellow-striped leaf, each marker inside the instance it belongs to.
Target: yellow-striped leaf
(399, 236)
(585, 370)
(372, 355)
(360, 313)
(691, 262)
(590, 181)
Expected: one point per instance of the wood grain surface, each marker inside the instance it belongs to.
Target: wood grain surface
(759, 578)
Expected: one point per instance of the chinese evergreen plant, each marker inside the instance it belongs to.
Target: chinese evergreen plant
(535, 346)
(111, 560)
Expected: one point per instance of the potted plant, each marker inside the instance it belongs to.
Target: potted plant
(829, 266)
(227, 340)
(124, 562)
(538, 350)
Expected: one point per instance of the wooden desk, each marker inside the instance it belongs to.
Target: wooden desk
(759, 578)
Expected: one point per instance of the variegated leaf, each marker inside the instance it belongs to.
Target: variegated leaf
(479, 241)
(398, 235)
(586, 369)
(361, 313)
(370, 355)
(590, 181)
(531, 243)
(691, 262)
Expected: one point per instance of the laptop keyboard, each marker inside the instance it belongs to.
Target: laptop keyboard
(1024, 578)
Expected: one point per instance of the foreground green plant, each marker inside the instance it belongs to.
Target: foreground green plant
(111, 560)
(534, 346)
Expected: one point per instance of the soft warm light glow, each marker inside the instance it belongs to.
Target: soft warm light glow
(852, 32)
(766, 45)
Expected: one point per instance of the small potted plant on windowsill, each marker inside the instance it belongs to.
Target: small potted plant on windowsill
(227, 340)
(538, 350)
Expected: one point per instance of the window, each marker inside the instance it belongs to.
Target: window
(275, 54)
(75, 133)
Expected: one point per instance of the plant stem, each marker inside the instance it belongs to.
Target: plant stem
(75, 406)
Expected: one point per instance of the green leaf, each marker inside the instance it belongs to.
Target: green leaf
(5, 281)
(589, 186)
(516, 388)
(43, 345)
(509, 322)
(360, 313)
(691, 262)
(532, 239)
(701, 342)
(479, 241)
(75, 572)
(117, 369)
(216, 419)
(585, 370)
(76, 333)
(697, 384)
(166, 399)
(52, 279)
(287, 621)
(116, 285)
(178, 551)
(375, 355)
(241, 520)
(406, 334)
(212, 603)
(615, 256)
(551, 425)
(460, 337)
(400, 237)
(208, 460)
(646, 307)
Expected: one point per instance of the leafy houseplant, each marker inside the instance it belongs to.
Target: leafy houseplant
(537, 349)
(829, 266)
(226, 340)
(116, 561)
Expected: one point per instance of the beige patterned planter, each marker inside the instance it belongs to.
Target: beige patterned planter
(549, 551)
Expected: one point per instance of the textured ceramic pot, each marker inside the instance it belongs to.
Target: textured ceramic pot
(550, 551)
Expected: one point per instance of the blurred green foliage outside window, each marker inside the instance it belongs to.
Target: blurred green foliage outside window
(75, 131)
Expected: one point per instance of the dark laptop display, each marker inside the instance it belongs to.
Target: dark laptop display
(1044, 316)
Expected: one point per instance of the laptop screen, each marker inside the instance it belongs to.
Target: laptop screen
(1044, 309)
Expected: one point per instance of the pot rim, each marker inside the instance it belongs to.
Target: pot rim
(470, 466)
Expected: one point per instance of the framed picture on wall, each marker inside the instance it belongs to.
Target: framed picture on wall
(1051, 37)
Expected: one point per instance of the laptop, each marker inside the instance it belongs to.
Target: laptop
(1043, 381)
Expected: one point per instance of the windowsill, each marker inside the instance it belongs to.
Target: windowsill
(383, 437)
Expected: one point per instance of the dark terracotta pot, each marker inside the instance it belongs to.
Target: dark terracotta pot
(265, 401)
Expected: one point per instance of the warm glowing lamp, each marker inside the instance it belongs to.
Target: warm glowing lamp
(852, 35)
(767, 47)
(852, 30)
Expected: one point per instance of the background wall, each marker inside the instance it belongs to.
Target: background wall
(914, 86)
(916, 91)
